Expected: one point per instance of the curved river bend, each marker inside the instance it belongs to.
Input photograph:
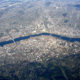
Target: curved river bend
(40, 34)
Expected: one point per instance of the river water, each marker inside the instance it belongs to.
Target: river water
(40, 34)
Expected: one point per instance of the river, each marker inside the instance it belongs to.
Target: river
(40, 34)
